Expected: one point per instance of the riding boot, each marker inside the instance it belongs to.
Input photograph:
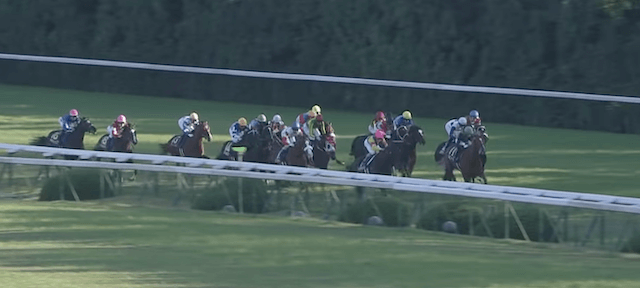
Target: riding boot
(109, 144)
(282, 155)
(444, 147)
(183, 139)
(63, 138)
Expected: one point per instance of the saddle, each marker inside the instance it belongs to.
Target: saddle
(455, 151)
(366, 163)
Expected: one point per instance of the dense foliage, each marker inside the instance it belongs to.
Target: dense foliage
(85, 182)
(254, 192)
(587, 46)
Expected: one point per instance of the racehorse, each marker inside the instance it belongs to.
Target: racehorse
(297, 156)
(382, 163)
(193, 146)
(257, 144)
(408, 137)
(120, 144)
(408, 157)
(276, 145)
(357, 146)
(75, 139)
(471, 161)
(325, 148)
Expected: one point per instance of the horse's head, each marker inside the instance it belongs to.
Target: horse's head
(328, 142)
(203, 131)
(414, 135)
(86, 126)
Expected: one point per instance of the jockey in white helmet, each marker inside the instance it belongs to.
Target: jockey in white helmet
(258, 123)
(453, 128)
(187, 125)
(288, 140)
(276, 124)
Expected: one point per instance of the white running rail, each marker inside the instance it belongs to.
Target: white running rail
(198, 166)
(321, 78)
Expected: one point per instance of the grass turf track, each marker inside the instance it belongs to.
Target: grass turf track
(93, 244)
(561, 159)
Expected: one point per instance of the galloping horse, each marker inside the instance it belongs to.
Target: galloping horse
(408, 137)
(297, 156)
(408, 157)
(257, 144)
(324, 149)
(193, 146)
(120, 144)
(381, 163)
(261, 148)
(471, 160)
(275, 144)
(75, 140)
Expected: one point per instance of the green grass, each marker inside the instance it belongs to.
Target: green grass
(559, 159)
(93, 244)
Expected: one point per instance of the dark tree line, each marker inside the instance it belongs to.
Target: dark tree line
(569, 45)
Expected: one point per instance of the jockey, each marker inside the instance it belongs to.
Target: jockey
(305, 117)
(276, 124)
(316, 109)
(115, 130)
(376, 142)
(258, 123)
(404, 119)
(68, 122)
(288, 141)
(454, 128)
(187, 125)
(237, 130)
(379, 122)
(315, 127)
(474, 118)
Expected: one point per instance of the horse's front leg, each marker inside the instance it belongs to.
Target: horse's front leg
(484, 178)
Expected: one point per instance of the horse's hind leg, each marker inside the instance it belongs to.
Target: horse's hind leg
(448, 174)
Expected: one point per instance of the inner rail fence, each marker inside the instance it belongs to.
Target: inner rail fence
(199, 166)
(322, 78)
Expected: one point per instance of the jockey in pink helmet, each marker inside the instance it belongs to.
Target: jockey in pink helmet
(115, 130)
(376, 142)
(68, 123)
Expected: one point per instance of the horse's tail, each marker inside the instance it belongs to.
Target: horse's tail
(164, 148)
(39, 141)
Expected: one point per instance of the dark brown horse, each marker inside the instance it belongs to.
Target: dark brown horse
(75, 139)
(120, 144)
(408, 156)
(297, 156)
(193, 146)
(382, 163)
(324, 149)
(471, 160)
